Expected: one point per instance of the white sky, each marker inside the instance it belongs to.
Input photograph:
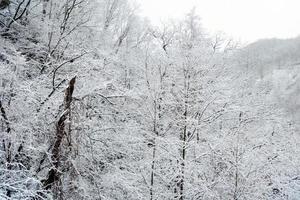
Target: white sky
(247, 20)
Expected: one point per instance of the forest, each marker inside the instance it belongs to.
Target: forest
(96, 103)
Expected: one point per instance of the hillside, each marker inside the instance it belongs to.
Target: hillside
(95, 103)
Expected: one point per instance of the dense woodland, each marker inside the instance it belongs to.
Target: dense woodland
(98, 104)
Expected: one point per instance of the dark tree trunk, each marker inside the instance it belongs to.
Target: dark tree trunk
(53, 174)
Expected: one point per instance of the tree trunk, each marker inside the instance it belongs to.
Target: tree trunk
(183, 136)
(6, 148)
(53, 174)
(155, 131)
